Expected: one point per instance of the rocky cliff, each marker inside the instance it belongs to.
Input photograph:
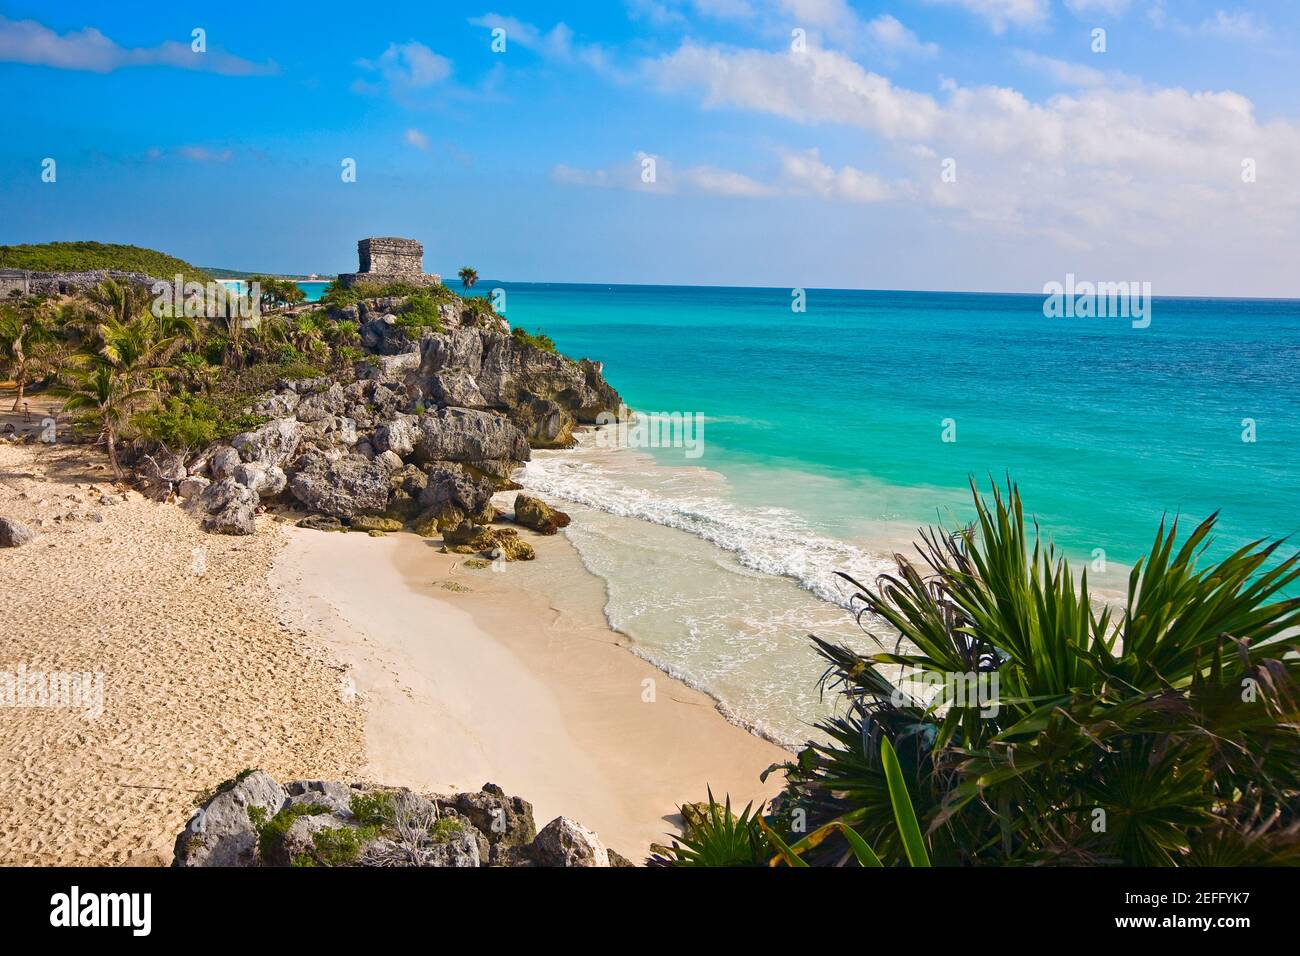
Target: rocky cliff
(422, 432)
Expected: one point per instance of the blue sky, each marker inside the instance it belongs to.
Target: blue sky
(930, 144)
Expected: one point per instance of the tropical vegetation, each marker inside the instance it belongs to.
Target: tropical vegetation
(147, 379)
(1163, 732)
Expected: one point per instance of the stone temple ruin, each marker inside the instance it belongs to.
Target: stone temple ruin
(386, 259)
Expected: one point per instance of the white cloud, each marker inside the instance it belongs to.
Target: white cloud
(1003, 13)
(195, 154)
(26, 41)
(407, 67)
(1071, 74)
(674, 13)
(837, 25)
(1113, 8)
(801, 173)
(630, 174)
(557, 43)
(889, 33)
(817, 86)
(1241, 25)
(723, 9)
(805, 172)
(656, 13)
(665, 178)
(416, 138)
(834, 15)
(1224, 24)
(723, 182)
(1089, 168)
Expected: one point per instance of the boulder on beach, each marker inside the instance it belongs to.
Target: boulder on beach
(228, 508)
(536, 514)
(373, 523)
(15, 534)
(322, 523)
(564, 842)
(344, 487)
(223, 832)
(267, 480)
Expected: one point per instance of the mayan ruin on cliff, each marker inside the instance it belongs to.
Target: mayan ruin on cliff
(387, 259)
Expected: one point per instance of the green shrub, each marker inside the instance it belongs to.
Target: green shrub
(286, 354)
(373, 808)
(206, 795)
(336, 846)
(418, 313)
(538, 341)
(445, 829)
(181, 422)
(271, 833)
(185, 422)
(337, 297)
(479, 310)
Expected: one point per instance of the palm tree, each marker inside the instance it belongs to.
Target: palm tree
(468, 277)
(135, 347)
(1167, 733)
(306, 334)
(197, 372)
(114, 374)
(103, 397)
(26, 344)
(118, 300)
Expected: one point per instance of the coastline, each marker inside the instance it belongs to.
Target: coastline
(518, 681)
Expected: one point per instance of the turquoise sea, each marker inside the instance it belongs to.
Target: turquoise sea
(823, 449)
(313, 289)
(1106, 427)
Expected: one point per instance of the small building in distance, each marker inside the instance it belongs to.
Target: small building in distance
(386, 259)
(15, 283)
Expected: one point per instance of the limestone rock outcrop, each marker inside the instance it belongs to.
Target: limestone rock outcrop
(423, 437)
(254, 821)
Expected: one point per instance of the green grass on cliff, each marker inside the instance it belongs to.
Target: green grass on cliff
(85, 256)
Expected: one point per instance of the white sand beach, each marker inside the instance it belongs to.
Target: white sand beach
(515, 680)
(200, 679)
(319, 655)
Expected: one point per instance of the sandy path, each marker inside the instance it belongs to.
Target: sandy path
(200, 678)
(518, 681)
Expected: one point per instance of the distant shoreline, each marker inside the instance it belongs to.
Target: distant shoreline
(232, 274)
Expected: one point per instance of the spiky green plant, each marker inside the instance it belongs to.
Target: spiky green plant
(1167, 734)
(719, 839)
